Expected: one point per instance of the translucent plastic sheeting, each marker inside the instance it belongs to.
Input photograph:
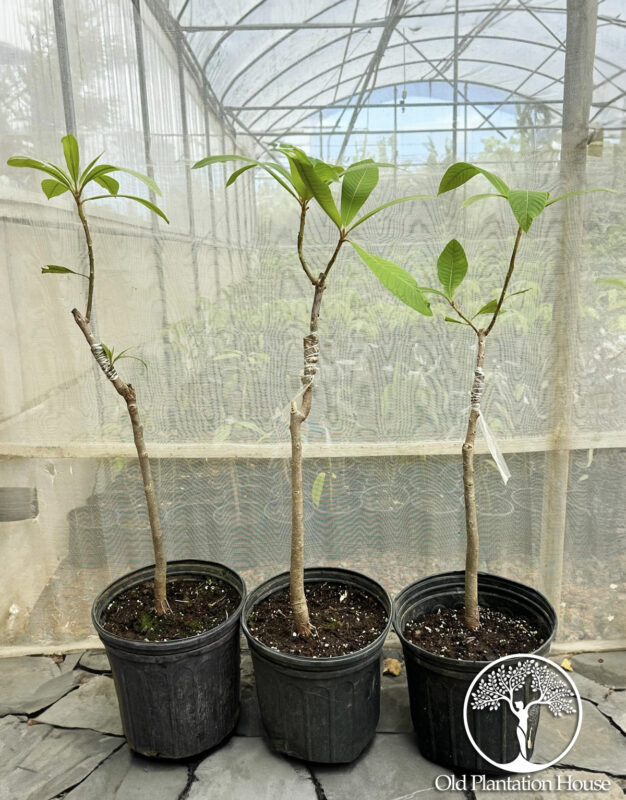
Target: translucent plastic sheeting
(217, 304)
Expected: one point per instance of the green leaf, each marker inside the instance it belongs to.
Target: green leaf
(318, 188)
(452, 267)
(108, 183)
(206, 162)
(318, 488)
(476, 197)
(96, 172)
(356, 187)
(50, 169)
(55, 269)
(387, 205)
(239, 172)
(140, 200)
(427, 290)
(452, 319)
(571, 194)
(490, 307)
(329, 173)
(123, 354)
(619, 282)
(397, 280)
(53, 188)
(146, 179)
(527, 206)
(108, 352)
(461, 172)
(72, 159)
(87, 168)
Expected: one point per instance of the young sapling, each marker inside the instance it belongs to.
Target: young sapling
(75, 181)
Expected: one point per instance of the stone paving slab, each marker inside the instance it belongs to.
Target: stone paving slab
(395, 715)
(391, 768)
(600, 746)
(615, 708)
(37, 762)
(31, 683)
(555, 783)
(95, 661)
(127, 776)
(609, 669)
(589, 690)
(246, 769)
(70, 661)
(94, 705)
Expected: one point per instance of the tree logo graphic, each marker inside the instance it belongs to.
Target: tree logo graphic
(522, 684)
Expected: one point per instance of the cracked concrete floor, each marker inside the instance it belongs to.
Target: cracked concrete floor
(60, 737)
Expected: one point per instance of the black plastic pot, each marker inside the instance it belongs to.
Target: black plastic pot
(438, 685)
(180, 697)
(318, 709)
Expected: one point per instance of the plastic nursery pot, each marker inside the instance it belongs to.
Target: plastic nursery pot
(318, 709)
(181, 697)
(437, 685)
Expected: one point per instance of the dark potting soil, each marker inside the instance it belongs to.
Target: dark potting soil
(198, 604)
(500, 634)
(344, 619)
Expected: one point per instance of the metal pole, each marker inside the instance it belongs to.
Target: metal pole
(145, 124)
(455, 81)
(187, 160)
(64, 66)
(207, 140)
(577, 94)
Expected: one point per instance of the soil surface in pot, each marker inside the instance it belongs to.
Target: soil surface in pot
(198, 604)
(344, 619)
(500, 634)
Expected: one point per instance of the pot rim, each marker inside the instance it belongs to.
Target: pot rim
(179, 567)
(443, 662)
(332, 575)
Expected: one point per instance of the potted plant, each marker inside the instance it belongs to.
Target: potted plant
(452, 624)
(171, 632)
(316, 634)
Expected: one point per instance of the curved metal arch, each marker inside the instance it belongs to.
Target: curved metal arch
(351, 60)
(273, 47)
(382, 69)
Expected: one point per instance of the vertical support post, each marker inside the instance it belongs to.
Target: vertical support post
(577, 95)
(227, 209)
(60, 29)
(209, 173)
(147, 141)
(455, 82)
(321, 136)
(395, 136)
(187, 159)
(466, 96)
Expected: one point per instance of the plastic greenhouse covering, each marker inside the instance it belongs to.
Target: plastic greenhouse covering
(216, 303)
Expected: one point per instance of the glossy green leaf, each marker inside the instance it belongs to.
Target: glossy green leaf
(145, 179)
(571, 194)
(329, 173)
(461, 172)
(55, 269)
(476, 197)
(72, 159)
(206, 162)
(88, 168)
(96, 172)
(139, 200)
(356, 186)
(108, 352)
(233, 177)
(387, 205)
(527, 206)
(428, 290)
(397, 280)
(108, 183)
(124, 354)
(452, 319)
(490, 307)
(318, 488)
(318, 188)
(53, 188)
(452, 267)
(50, 169)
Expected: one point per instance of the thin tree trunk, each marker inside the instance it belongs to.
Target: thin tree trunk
(128, 393)
(472, 618)
(299, 605)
